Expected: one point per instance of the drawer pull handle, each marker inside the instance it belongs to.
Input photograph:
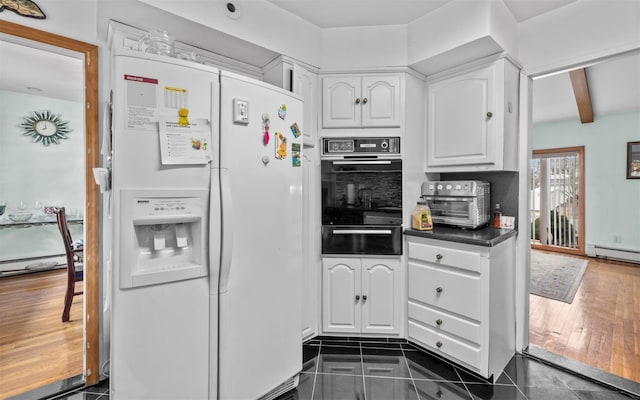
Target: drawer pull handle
(439, 290)
(364, 298)
(439, 322)
(439, 344)
(357, 298)
(438, 257)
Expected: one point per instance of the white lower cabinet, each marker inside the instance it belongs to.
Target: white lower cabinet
(361, 295)
(461, 302)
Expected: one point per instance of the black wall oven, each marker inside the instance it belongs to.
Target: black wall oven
(361, 196)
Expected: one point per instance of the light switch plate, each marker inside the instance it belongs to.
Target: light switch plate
(241, 111)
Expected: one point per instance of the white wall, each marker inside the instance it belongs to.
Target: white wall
(54, 174)
(578, 33)
(611, 201)
(365, 47)
(260, 22)
(71, 18)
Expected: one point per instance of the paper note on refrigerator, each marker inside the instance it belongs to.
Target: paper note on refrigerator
(188, 144)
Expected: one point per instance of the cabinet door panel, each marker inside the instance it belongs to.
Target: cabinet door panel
(459, 129)
(341, 284)
(310, 273)
(380, 285)
(305, 84)
(382, 107)
(448, 290)
(339, 108)
(445, 345)
(468, 260)
(445, 322)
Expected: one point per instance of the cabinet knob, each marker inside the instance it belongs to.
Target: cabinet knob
(489, 114)
(358, 101)
(438, 257)
(438, 290)
(365, 100)
(439, 344)
(357, 298)
(364, 297)
(438, 322)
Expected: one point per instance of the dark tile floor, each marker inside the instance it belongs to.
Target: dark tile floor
(361, 369)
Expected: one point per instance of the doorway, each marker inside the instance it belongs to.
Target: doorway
(89, 54)
(589, 334)
(557, 200)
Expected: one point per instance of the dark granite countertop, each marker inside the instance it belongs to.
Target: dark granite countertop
(487, 236)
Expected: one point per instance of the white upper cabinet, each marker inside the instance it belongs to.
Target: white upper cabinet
(355, 101)
(302, 80)
(472, 120)
(305, 83)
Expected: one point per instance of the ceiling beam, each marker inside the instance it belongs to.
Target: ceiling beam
(581, 91)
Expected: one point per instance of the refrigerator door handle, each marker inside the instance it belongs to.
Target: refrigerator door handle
(227, 229)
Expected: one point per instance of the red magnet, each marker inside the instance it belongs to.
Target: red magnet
(265, 128)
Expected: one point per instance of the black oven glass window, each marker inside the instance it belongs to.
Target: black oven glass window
(361, 192)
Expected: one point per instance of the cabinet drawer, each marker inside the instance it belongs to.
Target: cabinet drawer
(443, 256)
(445, 289)
(443, 322)
(445, 345)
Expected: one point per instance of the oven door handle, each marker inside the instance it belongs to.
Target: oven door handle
(374, 162)
(362, 232)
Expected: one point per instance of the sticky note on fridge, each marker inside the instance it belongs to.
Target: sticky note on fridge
(281, 146)
(295, 130)
(295, 155)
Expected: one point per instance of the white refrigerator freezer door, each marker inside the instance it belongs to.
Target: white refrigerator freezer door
(159, 333)
(260, 311)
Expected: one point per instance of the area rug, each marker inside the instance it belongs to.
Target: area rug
(556, 277)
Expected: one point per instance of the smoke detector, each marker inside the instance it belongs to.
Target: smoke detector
(232, 9)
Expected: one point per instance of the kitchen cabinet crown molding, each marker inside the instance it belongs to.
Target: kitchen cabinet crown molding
(284, 59)
(371, 71)
(470, 66)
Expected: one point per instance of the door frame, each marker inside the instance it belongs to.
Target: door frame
(92, 200)
(581, 191)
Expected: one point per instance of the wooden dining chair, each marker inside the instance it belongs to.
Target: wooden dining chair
(75, 270)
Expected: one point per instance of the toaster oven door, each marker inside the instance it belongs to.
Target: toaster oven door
(452, 210)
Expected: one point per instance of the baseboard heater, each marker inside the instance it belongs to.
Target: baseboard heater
(616, 254)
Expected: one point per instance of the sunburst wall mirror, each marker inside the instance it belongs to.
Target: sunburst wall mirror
(45, 127)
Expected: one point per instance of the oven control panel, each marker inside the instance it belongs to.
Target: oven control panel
(361, 146)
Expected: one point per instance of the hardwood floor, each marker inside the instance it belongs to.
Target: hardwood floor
(36, 348)
(601, 327)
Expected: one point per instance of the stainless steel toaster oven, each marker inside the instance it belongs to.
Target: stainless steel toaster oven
(458, 203)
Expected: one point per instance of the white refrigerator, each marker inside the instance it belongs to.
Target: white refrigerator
(260, 340)
(206, 212)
